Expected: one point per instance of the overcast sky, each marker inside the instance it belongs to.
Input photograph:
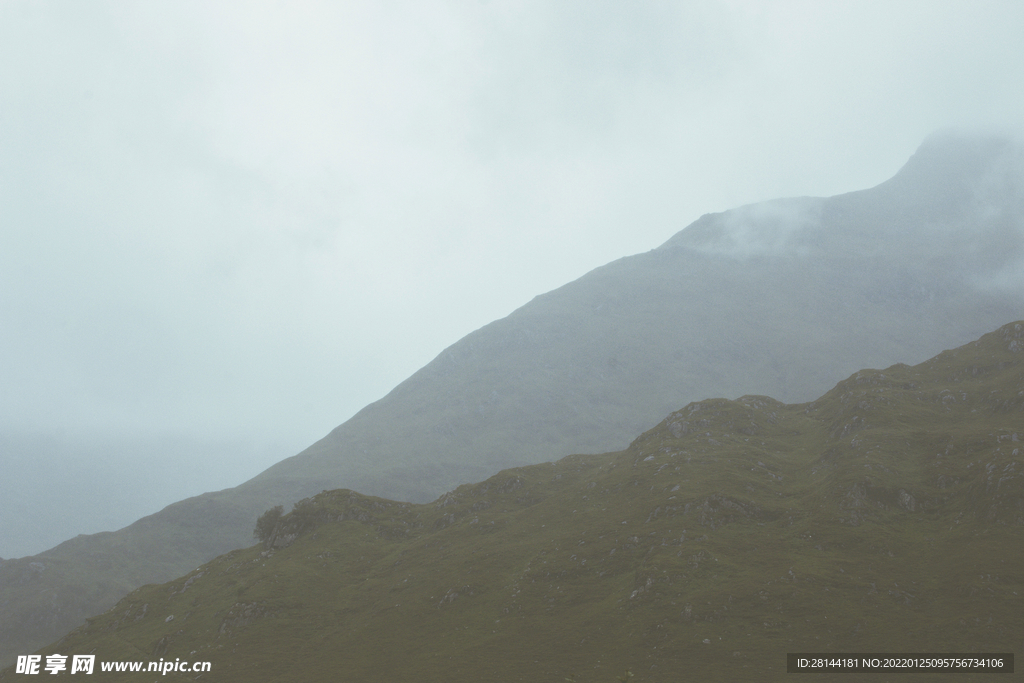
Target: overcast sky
(244, 221)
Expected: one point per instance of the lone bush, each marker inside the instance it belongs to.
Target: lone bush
(267, 522)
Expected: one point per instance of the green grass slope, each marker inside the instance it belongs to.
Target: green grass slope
(888, 515)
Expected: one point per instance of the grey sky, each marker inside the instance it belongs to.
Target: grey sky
(239, 221)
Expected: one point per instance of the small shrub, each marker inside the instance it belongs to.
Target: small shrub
(266, 523)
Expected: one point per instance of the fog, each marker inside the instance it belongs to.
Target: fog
(226, 227)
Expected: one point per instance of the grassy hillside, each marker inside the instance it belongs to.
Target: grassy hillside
(887, 515)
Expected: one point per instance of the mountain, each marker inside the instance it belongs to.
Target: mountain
(885, 516)
(783, 298)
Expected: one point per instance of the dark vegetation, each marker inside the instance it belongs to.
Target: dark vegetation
(267, 524)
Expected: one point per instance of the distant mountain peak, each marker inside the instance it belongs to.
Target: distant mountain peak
(963, 166)
(955, 150)
(959, 198)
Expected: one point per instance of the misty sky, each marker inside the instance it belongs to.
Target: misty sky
(234, 224)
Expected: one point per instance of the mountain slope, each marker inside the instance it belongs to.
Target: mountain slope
(887, 515)
(782, 298)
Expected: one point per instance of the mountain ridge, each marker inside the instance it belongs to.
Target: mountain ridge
(833, 285)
